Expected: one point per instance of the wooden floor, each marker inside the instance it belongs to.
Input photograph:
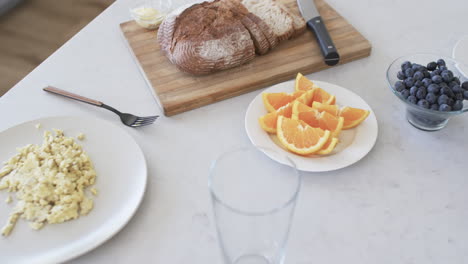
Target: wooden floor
(34, 29)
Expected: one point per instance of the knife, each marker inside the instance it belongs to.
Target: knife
(315, 23)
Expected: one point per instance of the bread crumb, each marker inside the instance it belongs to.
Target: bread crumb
(81, 136)
(94, 191)
(38, 125)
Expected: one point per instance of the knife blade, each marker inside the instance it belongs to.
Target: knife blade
(315, 23)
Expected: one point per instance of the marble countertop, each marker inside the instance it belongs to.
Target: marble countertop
(405, 202)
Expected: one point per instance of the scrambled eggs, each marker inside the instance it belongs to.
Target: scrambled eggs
(49, 181)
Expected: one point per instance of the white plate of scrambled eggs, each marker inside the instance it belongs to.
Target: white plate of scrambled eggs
(67, 184)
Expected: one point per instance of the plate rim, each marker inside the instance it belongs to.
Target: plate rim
(294, 157)
(98, 238)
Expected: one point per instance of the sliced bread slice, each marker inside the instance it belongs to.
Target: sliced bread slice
(267, 31)
(273, 15)
(298, 21)
(261, 43)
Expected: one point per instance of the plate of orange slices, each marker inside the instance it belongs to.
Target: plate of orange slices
(321, 126)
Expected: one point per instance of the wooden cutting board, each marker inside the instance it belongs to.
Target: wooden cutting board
(177, 92)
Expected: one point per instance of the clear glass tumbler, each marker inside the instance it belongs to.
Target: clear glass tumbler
(253, 203)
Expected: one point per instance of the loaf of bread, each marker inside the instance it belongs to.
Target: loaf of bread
(220, 34)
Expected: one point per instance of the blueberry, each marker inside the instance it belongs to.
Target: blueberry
(445, 108)
(405, 93)
(405, 65)
(450, 93)
(465, 85)
(447, 76)
(409, 81)
(452, 84)
(418, 76)
(450, 101)
(435, 107)
(433, 88)
(459, 96)
(419, 84)
(399, 85)
(458, 105)
(436, 72)
(413, 90)
(440, 62)
(426, 82)
(443, 99)
(447, 91)
(442, 68)
(427, 74)
(457, 89)
(421, 94)
(443, 84)
(417, 67)
(409, 72)
(431, 98)
(465, 94)
(401, 75)
(431, 65)
(423, 103)
(412, 99)
(456, 79)
(436, 79)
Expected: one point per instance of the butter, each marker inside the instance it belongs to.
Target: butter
(147, 13)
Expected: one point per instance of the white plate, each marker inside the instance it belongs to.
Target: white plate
(354, 143)
(121, 181)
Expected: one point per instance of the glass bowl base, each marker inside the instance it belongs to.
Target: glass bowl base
(426, 122)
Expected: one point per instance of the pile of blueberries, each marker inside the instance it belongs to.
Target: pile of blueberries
(432, 87)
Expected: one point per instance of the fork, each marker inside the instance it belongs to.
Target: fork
(126, 118)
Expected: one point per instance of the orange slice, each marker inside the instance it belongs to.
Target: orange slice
(307, 97)
(311, 118)
(334, 124)
(330, 122)
(323, 97)
(299, 137)
(353, 116)
(328, 147)
(298, 107)
(303, 84)
(332, 109)
(268, 122)
(274, 101)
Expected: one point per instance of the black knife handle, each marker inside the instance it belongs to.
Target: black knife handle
(325, 42)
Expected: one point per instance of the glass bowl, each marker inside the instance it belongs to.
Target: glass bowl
(420, 117)
(150, 13)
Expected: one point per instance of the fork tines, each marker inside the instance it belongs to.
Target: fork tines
(144, 121)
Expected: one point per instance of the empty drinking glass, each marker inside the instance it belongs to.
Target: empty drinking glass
(253, 202)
